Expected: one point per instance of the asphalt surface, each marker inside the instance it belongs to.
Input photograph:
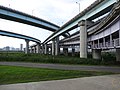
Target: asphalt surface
(64, 67)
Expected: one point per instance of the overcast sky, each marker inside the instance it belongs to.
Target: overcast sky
(55, 11)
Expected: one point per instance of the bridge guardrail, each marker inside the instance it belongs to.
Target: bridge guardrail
(113, 44)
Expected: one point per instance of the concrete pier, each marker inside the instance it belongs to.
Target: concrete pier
(57, 49)
(53, 47)
(38, 48)
(119, 37)
(65, 51)
(110, 40)
(96, 53)
(83, 39)
(34, 49)
(50, 50)
(45, 48)
(42, 49)
(73, 51)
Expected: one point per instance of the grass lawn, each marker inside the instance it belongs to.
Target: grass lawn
(13, 74)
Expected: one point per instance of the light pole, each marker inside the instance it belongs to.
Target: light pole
(79, 6)
(33, 11)
(9, 5)
(10, 2)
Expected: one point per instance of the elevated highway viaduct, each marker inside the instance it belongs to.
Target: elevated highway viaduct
(103, 34)
(17, 16)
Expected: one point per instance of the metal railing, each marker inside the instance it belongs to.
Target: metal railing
(106, 45)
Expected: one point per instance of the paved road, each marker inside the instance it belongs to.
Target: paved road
(107, 82)
(64, 67)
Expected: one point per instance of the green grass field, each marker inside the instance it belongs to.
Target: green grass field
(12, 74)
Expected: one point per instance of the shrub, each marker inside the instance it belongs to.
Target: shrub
(108, 59)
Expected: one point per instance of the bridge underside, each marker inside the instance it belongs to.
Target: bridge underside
(20, 36)
(10, 14)
(102, 35)
(94, 11)
(26, 22)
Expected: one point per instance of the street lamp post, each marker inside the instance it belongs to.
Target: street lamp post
(79, 6)
(32, 11)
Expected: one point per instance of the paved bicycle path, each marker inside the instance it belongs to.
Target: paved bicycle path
(107, 82)
(64, 67)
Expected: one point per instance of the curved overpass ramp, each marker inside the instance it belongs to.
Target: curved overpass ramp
(14, 15)
(20, 36)
(17, 16)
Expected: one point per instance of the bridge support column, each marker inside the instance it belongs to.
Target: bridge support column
(27, 47)
(45, 48)
(32, 50)
(42, 49)
(73, 51)
(35, 49)
(65, 51)
(98, 43)
(57, 49)
(50, 50)
(38, 48)
(83, 39)
(93, 46)
(96, 53)
(119, 37)
(104, 42)
(110, 40)
(53, 47)
(118, 54)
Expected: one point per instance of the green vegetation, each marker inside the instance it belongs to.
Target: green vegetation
(12, 74)
(107, 59)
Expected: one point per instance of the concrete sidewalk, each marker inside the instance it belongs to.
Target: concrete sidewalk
(107, 82)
